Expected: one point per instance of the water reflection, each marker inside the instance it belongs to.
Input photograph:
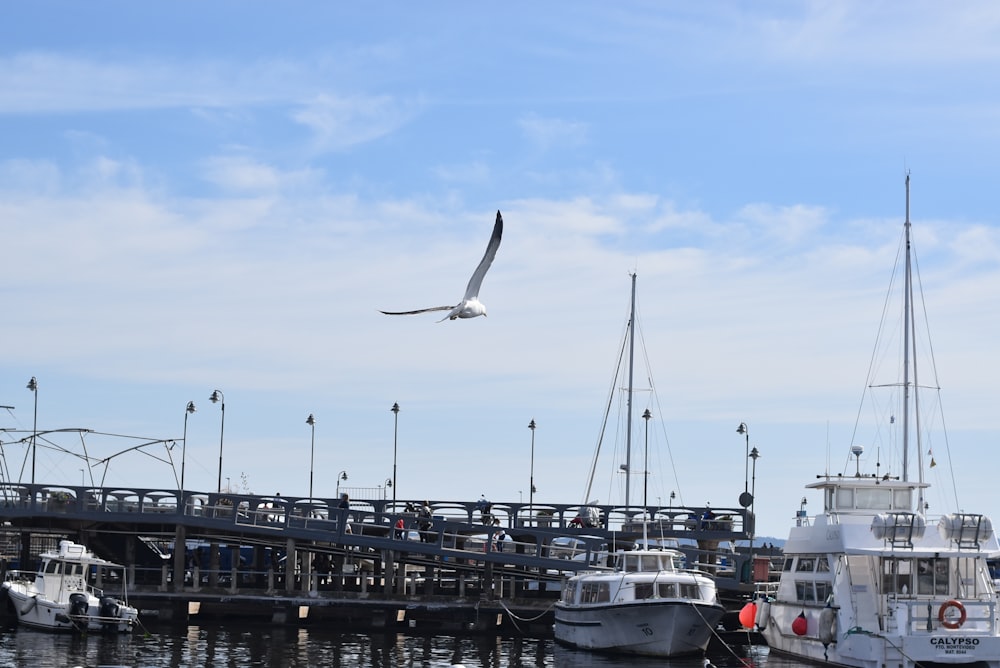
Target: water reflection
(250, 645)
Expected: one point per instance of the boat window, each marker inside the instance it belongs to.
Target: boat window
(932, 576)
(788, 563)
(845, 497)
(690, 591)
(595, 592)
(902, 499)
(823, 591)
(822, 565)
(805, 592)
(643, 590)
(52, 567)
(896, 576)
(569, 592)
(806, 565)
(668, 590)
(650, 562)
(874, 499)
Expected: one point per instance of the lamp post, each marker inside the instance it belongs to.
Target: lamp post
(311, 421)
(531, 480)
(190, 408)
(395, 441)
(645, 466)
(340, 476)
(33, 386)
(220, 398)
(754, 454)
(745, 498)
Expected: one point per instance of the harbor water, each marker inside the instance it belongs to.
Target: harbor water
(246, 645)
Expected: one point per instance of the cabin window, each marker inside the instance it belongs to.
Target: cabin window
(650, 562)
(690, 591)
(822, 565)
(845, 497)
(874, 499)
(902, 499)
(52, 567)
(932, 576)
(643, 590)
(595, 592)
(668, 590)
(788, 564)
(569, 593)
(805, 592)
(896, 576)
(806, 565)
(823, 591)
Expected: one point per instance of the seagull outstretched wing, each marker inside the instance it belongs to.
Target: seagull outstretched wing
(470, 306)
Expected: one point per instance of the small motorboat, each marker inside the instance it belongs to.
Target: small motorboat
(59, 596)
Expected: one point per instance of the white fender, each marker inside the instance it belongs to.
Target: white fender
(763, 612)
(29, 605)
(827, 625)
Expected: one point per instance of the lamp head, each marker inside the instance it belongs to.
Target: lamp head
(32, 384)
(395, 408)
(754, 454)
(190, 408)
(217, 396)
(646, 415)
(742, 429)
(532, 425)
(311, 421)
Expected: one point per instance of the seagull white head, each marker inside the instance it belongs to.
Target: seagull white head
(470, 306)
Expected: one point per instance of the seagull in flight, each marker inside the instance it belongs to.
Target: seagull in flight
(470, 306)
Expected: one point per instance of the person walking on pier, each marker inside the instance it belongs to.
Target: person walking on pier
(425, 522)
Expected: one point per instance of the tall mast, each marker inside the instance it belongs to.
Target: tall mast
(907, 291)
(628, 429)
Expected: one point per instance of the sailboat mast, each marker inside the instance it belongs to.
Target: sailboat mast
(907, 291)
(628, 429)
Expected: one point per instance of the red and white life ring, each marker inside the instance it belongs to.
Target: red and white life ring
(949, 623)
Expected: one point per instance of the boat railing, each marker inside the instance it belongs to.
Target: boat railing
(920, 616)
(20, 576)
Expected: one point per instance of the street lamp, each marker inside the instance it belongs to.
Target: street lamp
(395, 440)
(190, 408)
(645, 465)
(745, 498)
(531, 489)
(754, 454)
(33, 386)
(311, 421)
(385, 485)
(340, 476)
(220, 398)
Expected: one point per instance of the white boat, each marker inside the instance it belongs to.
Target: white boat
(871, 581)
(59, 598)
(647, 605)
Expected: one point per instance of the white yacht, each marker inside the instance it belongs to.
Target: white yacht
(59, 598)
(647, 604)
(874, 580)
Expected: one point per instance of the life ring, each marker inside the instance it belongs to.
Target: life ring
(948, 624)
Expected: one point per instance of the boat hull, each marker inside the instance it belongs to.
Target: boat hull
(859, 649)
(662, 628)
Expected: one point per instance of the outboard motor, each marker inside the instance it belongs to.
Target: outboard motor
(110, 607)
(78, 605)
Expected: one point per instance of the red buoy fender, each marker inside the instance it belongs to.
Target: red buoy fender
(748, 614)
(800, 625)
(947, 622)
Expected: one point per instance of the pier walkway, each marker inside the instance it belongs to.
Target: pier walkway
(242, 548)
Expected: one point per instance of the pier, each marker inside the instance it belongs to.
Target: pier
(375, 564)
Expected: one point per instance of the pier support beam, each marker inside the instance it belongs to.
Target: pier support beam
(180, 556)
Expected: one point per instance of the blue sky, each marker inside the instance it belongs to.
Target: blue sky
(222, 195)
